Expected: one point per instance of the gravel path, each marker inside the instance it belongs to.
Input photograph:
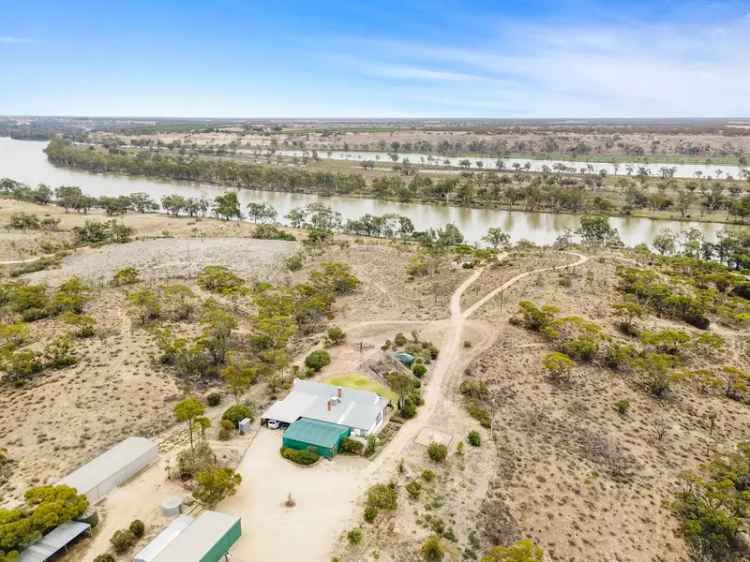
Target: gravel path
(171, 258)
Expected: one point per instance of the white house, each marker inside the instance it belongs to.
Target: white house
(360, 410)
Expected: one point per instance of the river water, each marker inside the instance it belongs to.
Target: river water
(25, 161)
(718, 171)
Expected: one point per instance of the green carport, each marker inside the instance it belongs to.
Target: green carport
(324, 437)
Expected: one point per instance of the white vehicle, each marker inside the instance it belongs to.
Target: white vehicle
(274, 424)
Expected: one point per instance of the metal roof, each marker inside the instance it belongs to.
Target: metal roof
(90, 475)
(55, 540)
(314, 432)
(309, 399)
(163, 539)
(194, 542)
(290, 408)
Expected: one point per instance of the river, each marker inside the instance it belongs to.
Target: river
(25, 161)
(718, 171)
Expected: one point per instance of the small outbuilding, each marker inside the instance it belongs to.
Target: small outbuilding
(54, 541)
(207, 539)
(112, 468)
(324, 437)
(163, 539)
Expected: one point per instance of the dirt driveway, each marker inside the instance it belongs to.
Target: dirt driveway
(326, 494)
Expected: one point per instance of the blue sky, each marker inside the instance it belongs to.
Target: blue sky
(232, 58)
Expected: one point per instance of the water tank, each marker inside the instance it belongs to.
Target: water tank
(172, 506)
(244, 426)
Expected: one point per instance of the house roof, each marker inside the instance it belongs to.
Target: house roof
(309, 399)
(55, 540)
(314, 432)
(90, 475)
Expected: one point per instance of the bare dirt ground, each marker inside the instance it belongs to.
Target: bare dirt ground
(174, 258)
(18, 245)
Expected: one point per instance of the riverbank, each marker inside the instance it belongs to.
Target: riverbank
(25, 161)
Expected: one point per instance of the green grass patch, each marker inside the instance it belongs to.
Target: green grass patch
(360, 382)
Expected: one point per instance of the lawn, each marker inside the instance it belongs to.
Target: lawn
(361, 382)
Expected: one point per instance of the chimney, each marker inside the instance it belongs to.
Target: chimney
(340, 391)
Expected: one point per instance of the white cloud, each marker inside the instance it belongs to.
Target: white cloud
(617, 70)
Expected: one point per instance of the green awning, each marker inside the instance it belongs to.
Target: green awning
(317, 433)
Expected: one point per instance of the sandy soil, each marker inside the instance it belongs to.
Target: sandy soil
(174, 258)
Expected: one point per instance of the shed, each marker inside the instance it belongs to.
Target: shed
(404, 358)
(53, 542)
(163, 539)
(324, 437)
(207, 539)
(112, 468)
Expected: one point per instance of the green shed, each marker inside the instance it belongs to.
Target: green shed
(404, 358)
(324, 437)
(207, 539)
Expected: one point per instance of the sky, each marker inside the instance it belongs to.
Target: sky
(232, 58)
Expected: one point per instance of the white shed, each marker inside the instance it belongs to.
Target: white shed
(112, 468)
(163, 539)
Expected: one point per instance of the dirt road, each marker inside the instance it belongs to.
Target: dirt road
(341, 506)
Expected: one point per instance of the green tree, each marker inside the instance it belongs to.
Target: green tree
(401, 384)
(227, 206)
(213, 484)
(665, 242)
(596, 231)
(496, 238)
(239, 378)
(191, 411)
(261, 212)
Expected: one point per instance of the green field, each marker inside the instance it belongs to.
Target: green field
(361, 382)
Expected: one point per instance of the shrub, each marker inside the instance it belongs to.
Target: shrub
(370, 513)
(437, 451)
(123, 540)
(472, 388)
(294, 262)
(475, 439)
(60, 353)
(104, 558)
(414, 488)
(335, 336)
(354, 536)
(408, 409)
(419, 370)
(622, 407)
(125, 276)
(219, 279)
(352, 446)
(271, 232)
(558, 366)
(372, 442)
(237, 413)
(400, 340)
(428, 475)
(137, 528)
(383, 496)
(317, 360)
(305, 456)
(432, 550)
(214, 399)
(479, 413)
